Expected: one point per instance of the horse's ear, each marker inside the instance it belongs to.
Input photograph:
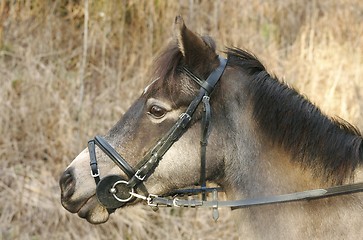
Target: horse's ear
(198, 52)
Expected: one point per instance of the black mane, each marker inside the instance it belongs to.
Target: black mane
(331, 147)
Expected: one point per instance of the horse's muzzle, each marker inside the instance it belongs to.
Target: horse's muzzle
(67, 185)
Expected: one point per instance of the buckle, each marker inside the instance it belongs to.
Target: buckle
(184, 117)
(149, 200)
(137, 175)
(175, 202)
(96, 174)
(206, 98)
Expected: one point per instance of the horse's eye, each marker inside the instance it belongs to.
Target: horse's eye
(157, 111)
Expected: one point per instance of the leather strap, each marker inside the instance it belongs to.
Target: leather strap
(209, 84)
(115, 156)
(95, 172)
(243, 203)
(203, 144)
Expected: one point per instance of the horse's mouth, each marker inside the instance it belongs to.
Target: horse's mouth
(89, 209)
(93, 212)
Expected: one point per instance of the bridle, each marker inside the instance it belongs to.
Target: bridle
(114, 191)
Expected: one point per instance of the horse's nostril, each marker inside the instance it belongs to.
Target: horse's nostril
(67, 184)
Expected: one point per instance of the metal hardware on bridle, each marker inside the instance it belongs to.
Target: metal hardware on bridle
(113, 191)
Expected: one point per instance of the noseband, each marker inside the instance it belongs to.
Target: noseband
(114, 191)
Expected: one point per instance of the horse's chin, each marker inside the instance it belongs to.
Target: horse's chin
(93, 212)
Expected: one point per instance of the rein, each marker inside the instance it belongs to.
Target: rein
(113, 191)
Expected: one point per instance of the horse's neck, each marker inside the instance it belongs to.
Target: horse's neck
(274, 174)
(273, 171)
(254, 168)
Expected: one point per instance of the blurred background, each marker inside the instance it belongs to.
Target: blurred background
(70, 69)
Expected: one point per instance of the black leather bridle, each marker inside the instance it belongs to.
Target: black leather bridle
(113, 191)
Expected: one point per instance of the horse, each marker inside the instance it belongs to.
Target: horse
(261, 138)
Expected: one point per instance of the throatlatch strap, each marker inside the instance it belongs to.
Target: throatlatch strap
(203, 144)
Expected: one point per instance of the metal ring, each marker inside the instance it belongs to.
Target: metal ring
(114, 193)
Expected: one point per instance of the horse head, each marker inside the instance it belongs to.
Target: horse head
(146, 121)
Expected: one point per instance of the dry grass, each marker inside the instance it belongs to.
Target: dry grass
(51, 103)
